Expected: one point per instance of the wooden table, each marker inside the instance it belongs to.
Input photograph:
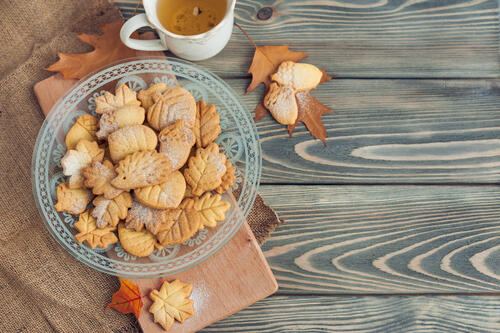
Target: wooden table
(395, 225)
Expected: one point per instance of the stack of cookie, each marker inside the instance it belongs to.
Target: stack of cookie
(149, 165)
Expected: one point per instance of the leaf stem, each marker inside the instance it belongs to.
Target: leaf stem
(246, 35)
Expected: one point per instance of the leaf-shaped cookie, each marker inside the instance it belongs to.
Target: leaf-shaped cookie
(140, 216)
(180, 224)
(146, 96)
(206, 127)
(142, 168)
(212, 209)
(85, 127)
(75, 160)
(108, 102)
(173, 104)
(176, 141)
(205, 169)
(109, 212)
(126, 115)
(73, 201)
(281, 102)
(137, 243)
(172, 302)
(227, 180)
(88, 232)
(168, 194)
(98, 176)
(128, 140)
(299, 76)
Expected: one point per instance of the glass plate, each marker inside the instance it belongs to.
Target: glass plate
(238, 140)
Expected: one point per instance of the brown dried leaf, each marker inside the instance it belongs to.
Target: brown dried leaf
(107, 48)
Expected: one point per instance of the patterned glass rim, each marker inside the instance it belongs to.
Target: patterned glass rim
(82, 90)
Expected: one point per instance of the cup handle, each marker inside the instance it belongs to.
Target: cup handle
(132, 25)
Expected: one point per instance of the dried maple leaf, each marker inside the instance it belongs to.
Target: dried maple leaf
(266, 60)
(127, 299)
(107, 48)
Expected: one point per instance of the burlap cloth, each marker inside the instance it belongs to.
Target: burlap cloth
(42, 288)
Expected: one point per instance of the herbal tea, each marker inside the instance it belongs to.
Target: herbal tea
(190, 17)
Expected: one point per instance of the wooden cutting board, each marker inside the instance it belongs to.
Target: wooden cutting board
(232, 279)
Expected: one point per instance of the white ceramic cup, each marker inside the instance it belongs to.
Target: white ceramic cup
(194, 48)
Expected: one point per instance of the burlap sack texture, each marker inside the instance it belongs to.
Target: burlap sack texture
(42, 288)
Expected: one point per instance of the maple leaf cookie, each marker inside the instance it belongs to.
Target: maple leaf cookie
(109, 212)
(108, 102)
(98, 177)
(128, 140)
(205, 169)
(168, 194)
(206, 127)
(171, 303)
(75, 160)
(85, 127)
(142, 168)
(180, 224)
(299, 76)
(176, 141)
(173, 104)
(140, 216)
(88, 232)
(281, 102)
(227, 180)
(72, 201)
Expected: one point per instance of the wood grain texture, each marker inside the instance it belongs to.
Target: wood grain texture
(366, 315)
(389, 131)
(393, 38)
(385, 239)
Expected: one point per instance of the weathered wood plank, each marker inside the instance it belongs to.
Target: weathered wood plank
(391, 38)
(385, 239)
(390, 131)
(477, 314)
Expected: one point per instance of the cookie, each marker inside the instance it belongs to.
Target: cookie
(146, 96)
(88, 232)
(137, 243)
(142, 168)
(176, 141)
(180, 224)
(299, 76)
(171, 105)
(205, 169)
(108, 102)
(128, 140)
(109, 212)
(212, 209)
(171, 303)
(140, 216)
(98, 176)
(227, 180)
(75, 160)
(168, 194)
(206, 127)
(72, 201)
(281, 102)
(121, 117)
(84, 128)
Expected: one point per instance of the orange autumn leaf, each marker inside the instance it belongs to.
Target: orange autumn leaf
(107, 48)
(266, 60)
(127, 299)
